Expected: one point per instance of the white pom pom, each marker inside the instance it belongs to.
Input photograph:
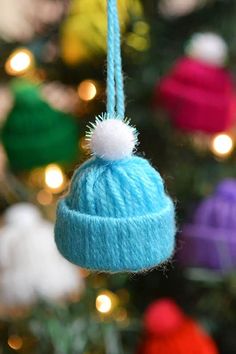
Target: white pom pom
(112, 139)
(22, 214)
(209, 48)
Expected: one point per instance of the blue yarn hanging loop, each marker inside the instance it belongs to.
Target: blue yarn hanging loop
(117, 216)
(115, 86)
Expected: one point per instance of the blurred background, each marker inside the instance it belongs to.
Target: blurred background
(180, 65)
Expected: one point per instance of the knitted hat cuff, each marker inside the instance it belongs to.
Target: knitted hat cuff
(133, 242)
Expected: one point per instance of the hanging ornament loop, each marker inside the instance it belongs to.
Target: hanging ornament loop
(117, 216)
(115, 85)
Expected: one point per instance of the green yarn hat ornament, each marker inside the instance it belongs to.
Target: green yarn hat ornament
(35, 134)
(116, 216)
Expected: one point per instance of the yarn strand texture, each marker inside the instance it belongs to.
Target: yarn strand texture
(115, 86)
(117, 216)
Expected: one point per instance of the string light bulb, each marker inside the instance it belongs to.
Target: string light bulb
(54, 177)
(19, 62)
(222, 145)
(103, 303)
(106, 301)
(87, 90)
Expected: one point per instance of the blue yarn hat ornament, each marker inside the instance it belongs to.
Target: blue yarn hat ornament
(116, 216)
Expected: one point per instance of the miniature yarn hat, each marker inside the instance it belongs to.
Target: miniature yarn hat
(209, 240)
(31, 267)
(167, 330)
(198, 92)
(35, 134)
(117, 216)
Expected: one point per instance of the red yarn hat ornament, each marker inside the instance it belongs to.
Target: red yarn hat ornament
(163, 317)
(169, 331)
(198, 92)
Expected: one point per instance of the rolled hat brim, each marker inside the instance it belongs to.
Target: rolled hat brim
(115, 244)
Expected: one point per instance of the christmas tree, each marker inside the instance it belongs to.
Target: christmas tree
(178, 63)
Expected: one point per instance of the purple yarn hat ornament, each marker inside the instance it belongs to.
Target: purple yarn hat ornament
(209, 241)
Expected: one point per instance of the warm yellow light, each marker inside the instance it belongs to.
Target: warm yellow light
(54, 177)
(87, 90)
(222, 145)
(15, 342)
(44, 197)
(103, 303)
(19, 62)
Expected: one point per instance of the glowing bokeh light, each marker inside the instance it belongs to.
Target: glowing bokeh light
(103, 303)
(137, 42)
(19, 62)
(222, 145)
(87, 90)
(44, 197)
(141, 28)
(15, 342)
(54, 177)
